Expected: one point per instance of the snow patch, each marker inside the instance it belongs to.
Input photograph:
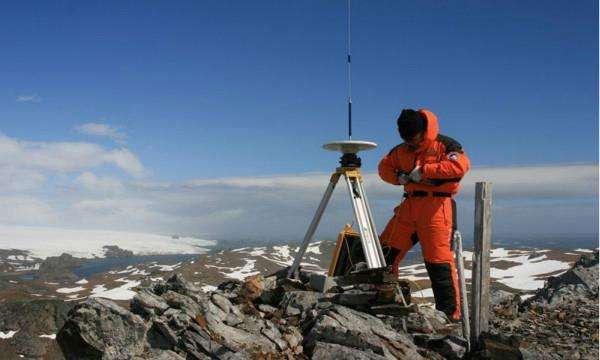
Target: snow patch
(98, 289)
(8, 334)
(524, 276)
(70, 290)
(239, 273)
(122, 292)
(81, 282)
(208, 288)
(49, 336)
(166, 267)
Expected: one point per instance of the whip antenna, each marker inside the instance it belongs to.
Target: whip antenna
(349, 62)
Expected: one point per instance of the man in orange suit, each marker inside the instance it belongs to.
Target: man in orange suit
(429, 166)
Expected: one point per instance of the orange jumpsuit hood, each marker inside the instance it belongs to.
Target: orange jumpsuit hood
(432, 129)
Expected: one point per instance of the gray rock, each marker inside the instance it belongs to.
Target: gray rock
(347, 327)
(252, 325)
(212, 311)
(30, 346)
(273, 334)
(146, 303)
(238, 339)
(182, 302)
(437, 318)
(415, 322)
(230, 289)
(296, 302)
(198, 343)
(356, 299)
(157, 354)
(162, 329)
(267, 308)
(171, 312)
(293, 336)
(233, 320)
(179, 321)
(328, 351)
(449, 346)
(498, 296)
(577, 284)
(180, 285)
(99, 328)
(222, 302)
(33, 316)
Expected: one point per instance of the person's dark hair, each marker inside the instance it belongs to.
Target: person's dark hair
(410, 123)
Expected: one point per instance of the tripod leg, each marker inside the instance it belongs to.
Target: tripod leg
(377, 244)
(314, 223)
(460, 267)
(369, 238)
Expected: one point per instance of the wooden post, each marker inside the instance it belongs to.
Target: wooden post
(480, 282)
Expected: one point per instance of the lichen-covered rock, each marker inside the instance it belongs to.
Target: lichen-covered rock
(347, 327)
(449, 346)
(101, 329)
(146, 303)
(180, 285)
(329, 351)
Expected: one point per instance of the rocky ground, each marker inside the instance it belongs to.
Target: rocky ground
(277, 318)
(541, 324)
(24, 277)
(560, 321)
(261, 318)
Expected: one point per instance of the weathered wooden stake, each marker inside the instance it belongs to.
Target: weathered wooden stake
(480, 282)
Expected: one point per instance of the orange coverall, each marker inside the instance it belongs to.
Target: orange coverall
(428, 214)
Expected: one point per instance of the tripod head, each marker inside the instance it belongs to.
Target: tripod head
(349, 149)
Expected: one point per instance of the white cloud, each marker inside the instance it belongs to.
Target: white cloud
(280, 207)
(29, 98)
(26, 210)
(64, 156)
(104, 130)
(527, 199)
(126, 160)
(14, 179)
(99, 184)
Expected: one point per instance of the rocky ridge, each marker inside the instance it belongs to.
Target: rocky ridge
(560, 321)
(274, 317)
(261, 318)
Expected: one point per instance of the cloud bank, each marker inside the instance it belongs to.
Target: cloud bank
(83, 185)
(63, 184)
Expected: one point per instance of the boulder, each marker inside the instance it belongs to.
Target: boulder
(449, 346)
(179, 284)
(347, 327)
(296, 302)
(101, 329)
(329, 351)
(182, 302)
(146, 303)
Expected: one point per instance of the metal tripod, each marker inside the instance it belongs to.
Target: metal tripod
(362, 213)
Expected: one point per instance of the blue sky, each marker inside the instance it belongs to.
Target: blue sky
(192, 90)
